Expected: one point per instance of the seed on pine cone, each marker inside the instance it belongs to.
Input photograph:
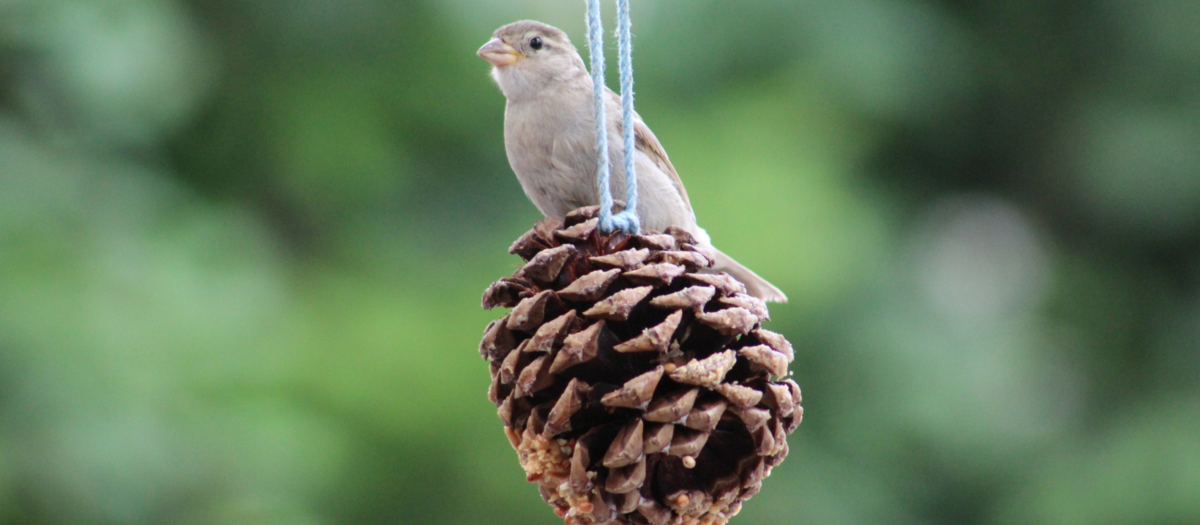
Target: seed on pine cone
(637, 385)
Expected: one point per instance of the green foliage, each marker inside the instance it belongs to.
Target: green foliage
(242, 245)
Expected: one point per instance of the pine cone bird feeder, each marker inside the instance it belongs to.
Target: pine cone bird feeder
(635, 387)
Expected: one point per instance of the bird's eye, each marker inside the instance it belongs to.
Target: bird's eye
(536, 43)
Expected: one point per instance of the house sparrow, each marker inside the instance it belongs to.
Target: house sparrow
(549, 134)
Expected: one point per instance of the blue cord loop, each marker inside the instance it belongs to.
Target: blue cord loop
(627, 220)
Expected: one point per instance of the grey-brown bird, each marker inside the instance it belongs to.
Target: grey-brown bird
(549, 134)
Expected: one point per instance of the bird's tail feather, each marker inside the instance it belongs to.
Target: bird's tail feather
(755, 285)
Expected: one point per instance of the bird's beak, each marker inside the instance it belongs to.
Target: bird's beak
(499, 53)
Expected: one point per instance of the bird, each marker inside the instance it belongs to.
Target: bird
(549, 136)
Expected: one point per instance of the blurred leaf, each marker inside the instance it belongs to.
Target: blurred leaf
(119, 72)
(1135, 167)
(1143, 469)
(768, 170)
(814, 486)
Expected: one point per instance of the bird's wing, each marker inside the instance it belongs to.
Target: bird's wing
(647, 143)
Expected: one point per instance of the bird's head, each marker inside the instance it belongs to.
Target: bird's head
(529, 57)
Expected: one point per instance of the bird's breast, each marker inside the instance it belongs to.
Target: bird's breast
(551, 150)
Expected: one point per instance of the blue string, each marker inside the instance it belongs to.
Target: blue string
(596, 50)
(626, 220)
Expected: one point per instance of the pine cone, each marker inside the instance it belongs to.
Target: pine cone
(636, 388)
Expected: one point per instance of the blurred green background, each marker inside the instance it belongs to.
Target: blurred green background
(242, 245)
